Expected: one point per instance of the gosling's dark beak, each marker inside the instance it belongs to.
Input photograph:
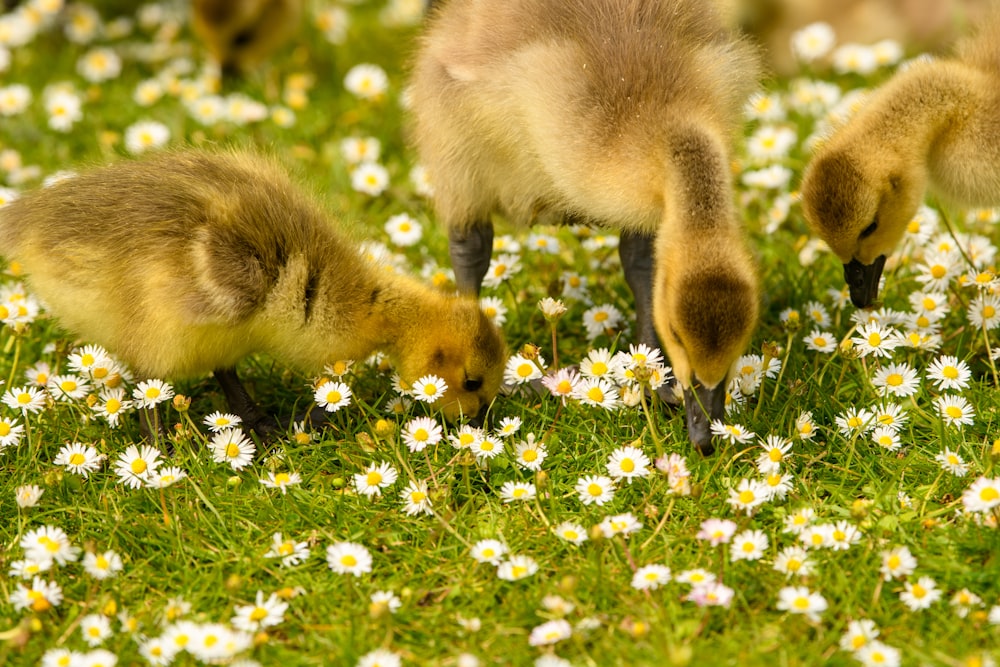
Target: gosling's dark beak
(702, 406)
(863, 280)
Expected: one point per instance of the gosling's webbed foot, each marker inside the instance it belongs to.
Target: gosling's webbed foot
(703, 406)
(265, 426)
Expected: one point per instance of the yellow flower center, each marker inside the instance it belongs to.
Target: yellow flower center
(232, 450)
(348, 560)
(954, 411)
(938, 271)
(989, 494)
(374, 478)
(286, 548)
(793, 565)
(38, 601)
(333, 396)
(421, 435)
(4, 429)
(77, 459)
(258, 614)
(801, 603)
(874, 339)
(113, 405)
(418, 497)
(524, 370)
(819, 341)
(487, 446)
(138, 466)
(24, 398)
(519, 492)
(600, 316)
(628, 465)
(529, 455)
(595, 394)
(857, 641)
(430, 389)
(894, 380)
(466, 439)
(989, 311)
(518, 571)
(283, 478)
(918, 591)
(595, 489)
(775, 455)
(949, 372)
(746, 497)
(571, 534)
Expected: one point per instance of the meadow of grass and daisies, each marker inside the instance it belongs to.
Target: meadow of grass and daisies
(848, 515)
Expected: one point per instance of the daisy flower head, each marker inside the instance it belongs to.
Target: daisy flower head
(349, 558)
(65, 108)
(429, 388)
(366, 81)
(261, 614)
(921, 594)
(716, 531)
(111, 404)
(221, 420)
(571, 532)
(984, 311)
(403, 230)
(146, 135)
(103, 565)
(821, 341)
(947, 372)
(598, 392)
(332, 395)
(775, 452)
(49, 543)
(955, 410)
(843, 535)
(876, 339)
(150, 393)
(67, 387)
(595, 489)
(41, 596)
(552, 309)
(384, 601)
(494, 309)
(501, 268)
(771, 142)
(521, 370)
(765, 107)
(855, 422)
(778, 485)
(628, 463)
(952, 462)
(813, 41)
(695, 577)
(380, 657)
(793, 561)
(733, 433)
(529, 454)
(601, 319)
(135, 464)
(356, 150)
(11, 432)
(465, 436)
(79, 458)
(711, 594)
(938, 269)
(858, 635)
(600, 363)
(982, 495)
(817, 536)
(232, 446)
(886, 437)
(420, 432)
(512, 491)
(965, 601)
(370, 178)
(620, 524)
(748, 545)
(25, 399)
(164, 477)
(896, 380)
(877, 654)
(289, 551)
(281, 480)
(374, 478)
(516, 568)
(550, 632)
(800, 600)
(416, 499)
(28, 495)
(854, 58)
(748, 495)
(508, 427)
(487, 447)
(488, 551)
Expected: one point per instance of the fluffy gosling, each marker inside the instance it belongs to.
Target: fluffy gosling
(937, 124)
(615, 113)
(240, 34)
(188, 261)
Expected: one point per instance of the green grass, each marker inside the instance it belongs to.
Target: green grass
(204, 538)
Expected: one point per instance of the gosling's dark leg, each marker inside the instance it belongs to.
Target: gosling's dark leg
(470, 251)
(152, 429)
(241, 403)
(636, 253)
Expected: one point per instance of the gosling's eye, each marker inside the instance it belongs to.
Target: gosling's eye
(472, 385)
(242, 38)
(869, 230)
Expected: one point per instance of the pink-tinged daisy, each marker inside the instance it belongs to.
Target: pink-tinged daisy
(712, 594)
(562, 383)
(620, 524)
(349, 558)
(716, 531)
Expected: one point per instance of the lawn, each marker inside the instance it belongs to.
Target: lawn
(848, 515)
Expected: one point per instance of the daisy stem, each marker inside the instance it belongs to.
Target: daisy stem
(555, 348)
(660, 525)
(163, 506)
(427, 457)
(628, 555)
(16, 341)
(657, 441)
(781, 371)
(930, 491)
(989, 356)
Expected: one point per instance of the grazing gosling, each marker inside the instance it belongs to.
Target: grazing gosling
(615, 113)
(242, 33)
(188, 261)
(937, 124)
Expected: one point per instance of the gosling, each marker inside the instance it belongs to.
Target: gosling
(186, 262)
(934, 124)
(240, 34)
(614, 113)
